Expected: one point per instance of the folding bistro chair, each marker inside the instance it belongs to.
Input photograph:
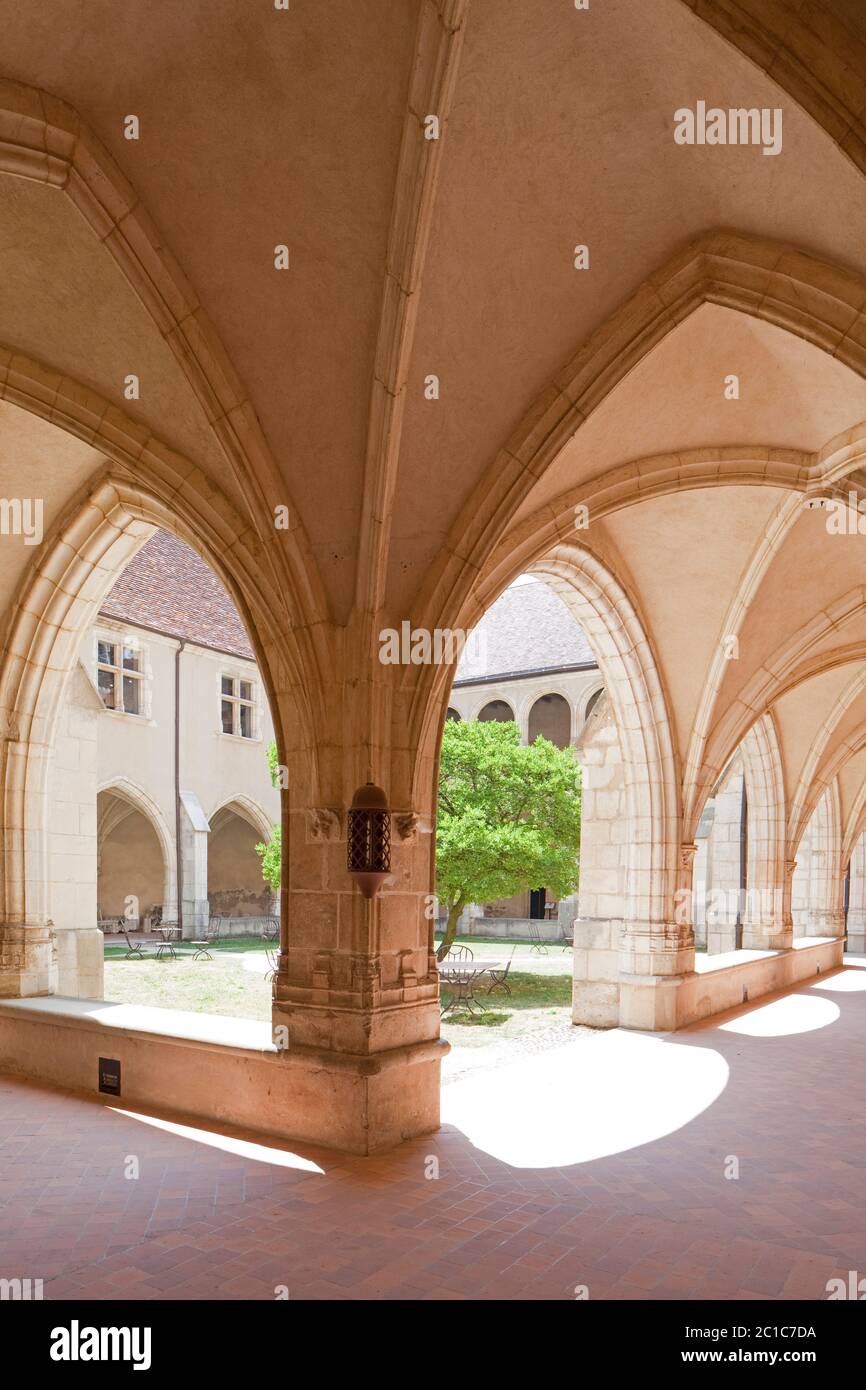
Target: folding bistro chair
(499, 978)
(538, 942)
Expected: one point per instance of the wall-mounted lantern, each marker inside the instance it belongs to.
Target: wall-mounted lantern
(369, 839)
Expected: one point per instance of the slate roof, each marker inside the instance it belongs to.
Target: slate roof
(528, 628)
(168, 587)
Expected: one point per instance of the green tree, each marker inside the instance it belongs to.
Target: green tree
(508, 819)
(271, 854)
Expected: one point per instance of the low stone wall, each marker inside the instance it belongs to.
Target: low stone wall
(229, 927)
(510, 928)
(711, 991)
(244, 926)
(224, 1071)
(604, 997)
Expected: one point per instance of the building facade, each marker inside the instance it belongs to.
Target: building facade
(161, 788)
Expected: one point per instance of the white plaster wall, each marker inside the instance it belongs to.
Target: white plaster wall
(217, 767)
(96, 748)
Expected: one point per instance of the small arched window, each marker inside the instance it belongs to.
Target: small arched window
(497, 711)
(550, 716)
(592, 702)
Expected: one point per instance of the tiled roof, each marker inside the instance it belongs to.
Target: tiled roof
(169, 588)
(528, 628)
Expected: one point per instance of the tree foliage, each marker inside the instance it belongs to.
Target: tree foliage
(508, 820)
(271, 853)
(271, 857)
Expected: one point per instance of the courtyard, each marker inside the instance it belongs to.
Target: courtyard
(535, 1017)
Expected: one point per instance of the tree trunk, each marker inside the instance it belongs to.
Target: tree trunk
(454, 911)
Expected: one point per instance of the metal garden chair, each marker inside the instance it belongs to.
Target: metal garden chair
(499, 978)
(460, 953)
(538, 942)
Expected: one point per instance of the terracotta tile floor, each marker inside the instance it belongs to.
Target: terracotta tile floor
(779, 1086)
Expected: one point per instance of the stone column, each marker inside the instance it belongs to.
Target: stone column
(723, 873)
(801, 883)
(657, 953)
(601, 902)
(73, 843)
(194, 832)
(826, 913)
(700, 878)
(28, 952)
(356, 996)
(768, 923)
(857, 898)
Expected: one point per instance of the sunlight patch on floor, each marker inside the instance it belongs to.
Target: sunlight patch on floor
(846, 982)
(241, 1148)
(796, 1013)
(571, 1105)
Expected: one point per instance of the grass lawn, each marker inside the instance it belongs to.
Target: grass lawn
(536, 1016)
(223, 985)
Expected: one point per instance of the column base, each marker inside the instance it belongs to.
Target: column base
(656, 949)
(768, 936)
(826, 922)
(28, 962)
(80, 962)
(721, 938)
(356, 1032)
(856, 932)
(595, 988)
(650, 1004)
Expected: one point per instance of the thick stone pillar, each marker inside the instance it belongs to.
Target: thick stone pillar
(700, 878)
(723, 880)
(357, 991)
(826, 912)
(768, 923)
(73, 842)
(656, 954)
(856, 921)
(28, 951)
(601, 905)
(194, 832)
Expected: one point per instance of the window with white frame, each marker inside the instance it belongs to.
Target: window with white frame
(237, 706)
(120, 676)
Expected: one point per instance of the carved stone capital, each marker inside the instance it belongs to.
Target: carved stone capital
(687, 856)
(406, 824)
(323, 825)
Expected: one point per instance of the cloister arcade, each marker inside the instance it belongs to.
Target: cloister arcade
(586, 433)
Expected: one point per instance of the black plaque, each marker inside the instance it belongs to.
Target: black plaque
(109, 1076)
